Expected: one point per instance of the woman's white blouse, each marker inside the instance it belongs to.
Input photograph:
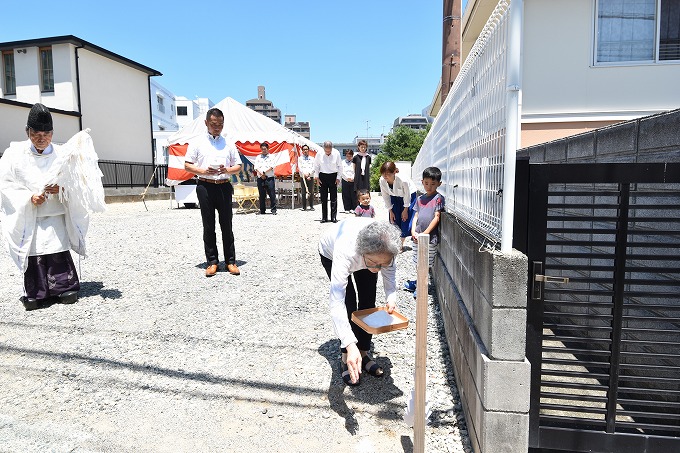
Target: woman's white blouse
(338, 243)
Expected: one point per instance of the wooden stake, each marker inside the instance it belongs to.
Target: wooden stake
(421, 343)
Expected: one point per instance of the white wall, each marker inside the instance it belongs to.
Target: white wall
(560, 81)
(27, 71)
(115, 106)
(13, 119)
(65, 96)
(27, 76)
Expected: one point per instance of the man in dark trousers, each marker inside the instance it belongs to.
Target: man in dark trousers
(213, 160)
(327, 172)
(266, 185)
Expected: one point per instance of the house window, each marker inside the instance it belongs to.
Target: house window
(46, 69)
(182, 111)
(9, 78)
(159, 102)
(669, 30)
(638, 30)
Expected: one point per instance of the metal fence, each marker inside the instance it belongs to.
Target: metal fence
(477, 129)
(119, 174)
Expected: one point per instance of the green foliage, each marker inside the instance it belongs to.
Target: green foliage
(402, 144)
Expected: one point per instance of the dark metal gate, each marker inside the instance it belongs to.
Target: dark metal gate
(603, 327)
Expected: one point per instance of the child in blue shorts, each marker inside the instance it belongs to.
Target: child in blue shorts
(428, 208)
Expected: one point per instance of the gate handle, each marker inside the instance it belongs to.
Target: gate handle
(551, 279)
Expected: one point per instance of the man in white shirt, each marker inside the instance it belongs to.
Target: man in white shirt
(213, 160)
(307, 182)
(264, 170)
(327, 172)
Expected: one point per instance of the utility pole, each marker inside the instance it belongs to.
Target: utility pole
(451, 45)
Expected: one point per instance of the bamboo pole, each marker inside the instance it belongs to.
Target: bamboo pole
(421, 343)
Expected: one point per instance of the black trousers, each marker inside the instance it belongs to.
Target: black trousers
(349, 196)
(366, 282)
(216, 197)
(267, 187)
(307, 191)
(327, 186)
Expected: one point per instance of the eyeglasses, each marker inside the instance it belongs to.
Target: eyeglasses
(370, 264)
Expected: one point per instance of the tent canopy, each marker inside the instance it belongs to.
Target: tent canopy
(247, 129)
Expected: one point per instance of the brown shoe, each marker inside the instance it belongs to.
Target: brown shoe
(233, 270)
(211, 270)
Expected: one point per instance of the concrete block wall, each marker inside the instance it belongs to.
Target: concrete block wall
(483, 300)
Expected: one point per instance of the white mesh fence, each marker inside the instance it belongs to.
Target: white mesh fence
(468, 138)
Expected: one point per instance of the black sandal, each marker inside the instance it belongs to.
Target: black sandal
(371, 367)
(346, 376)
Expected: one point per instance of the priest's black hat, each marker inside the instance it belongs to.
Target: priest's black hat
(39, 118)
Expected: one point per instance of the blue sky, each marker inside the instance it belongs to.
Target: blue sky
(337, 64)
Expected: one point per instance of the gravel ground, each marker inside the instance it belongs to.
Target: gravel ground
(155, 357)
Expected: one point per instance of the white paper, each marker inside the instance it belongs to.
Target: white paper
(380, 318)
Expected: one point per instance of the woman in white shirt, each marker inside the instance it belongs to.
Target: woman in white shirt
(357, 249)
(349, 195)
(399, 195)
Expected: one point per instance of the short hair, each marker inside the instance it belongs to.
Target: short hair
(361, 192)
(217, 113)
(362, 142)
(349, 151)
(265, 144)
(379, 237)
(388, 167)
(432, 173)
(327, 144)
(305, 147)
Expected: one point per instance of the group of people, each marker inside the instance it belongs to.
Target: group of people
(327, 171)
(357, 249)
(352, 174)
(352, 252)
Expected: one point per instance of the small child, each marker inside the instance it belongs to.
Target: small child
(427, 209)
(364, 209)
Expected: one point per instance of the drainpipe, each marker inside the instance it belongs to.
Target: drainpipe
(153, 160)
(80, 107)
(451, 45)
(513, 118)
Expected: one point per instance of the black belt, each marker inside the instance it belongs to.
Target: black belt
(213, 181)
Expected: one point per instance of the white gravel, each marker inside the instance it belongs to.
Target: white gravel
(155, 357)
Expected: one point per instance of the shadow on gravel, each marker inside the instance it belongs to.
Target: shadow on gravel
(407, 444)
(371, 390)
(88, 289)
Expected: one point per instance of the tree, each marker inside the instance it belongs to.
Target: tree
(403, 143)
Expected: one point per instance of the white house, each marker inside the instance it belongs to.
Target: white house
(163, 120)
(589, 63)
(85, 86)
(170, 114)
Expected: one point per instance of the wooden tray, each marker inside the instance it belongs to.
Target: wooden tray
(359, 315)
